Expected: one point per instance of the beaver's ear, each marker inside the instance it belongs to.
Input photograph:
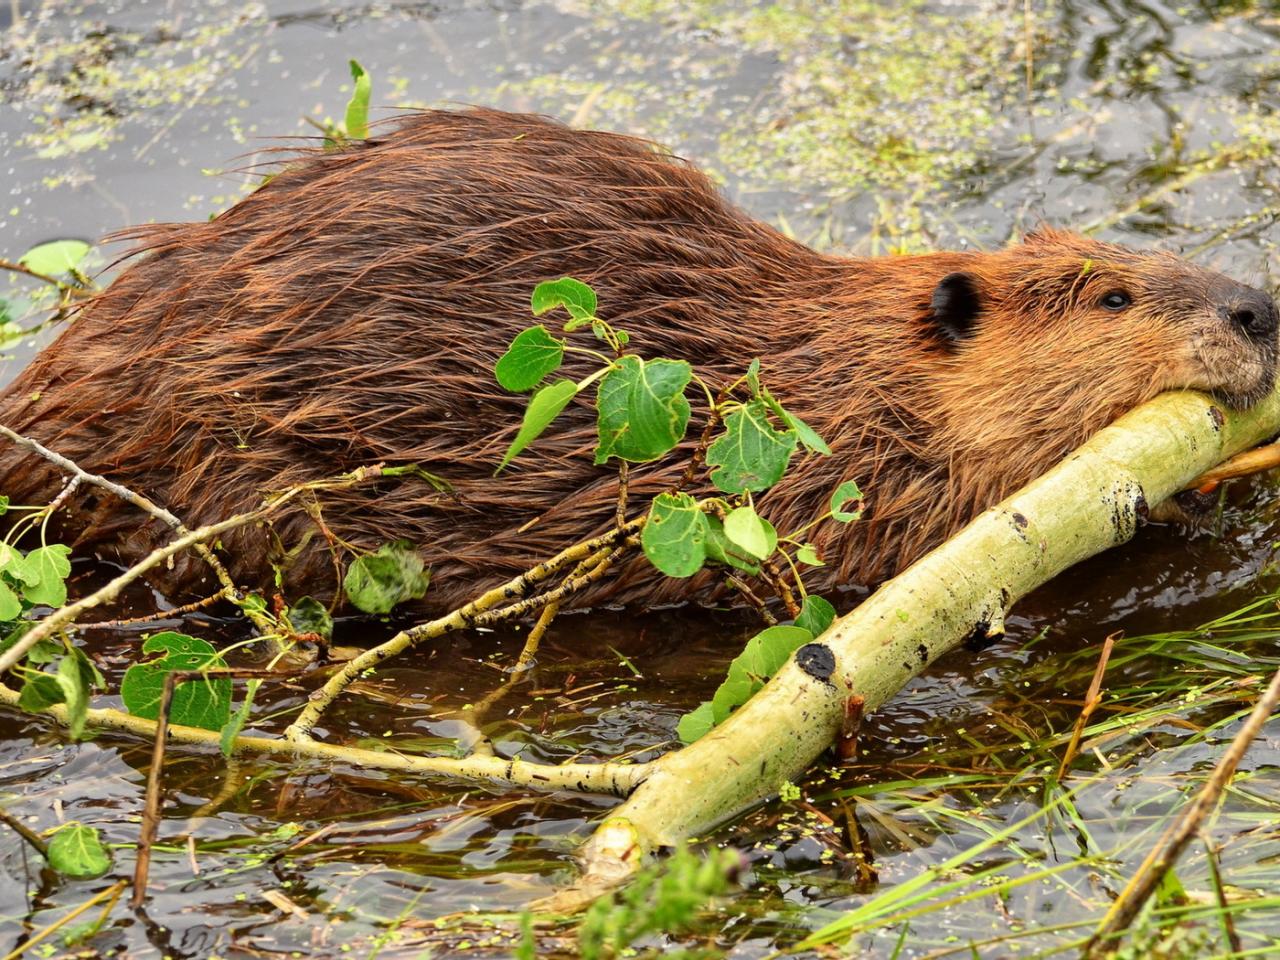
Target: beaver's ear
(955, 306)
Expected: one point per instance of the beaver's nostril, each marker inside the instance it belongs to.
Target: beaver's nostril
(1243, 317)
(1255, 315)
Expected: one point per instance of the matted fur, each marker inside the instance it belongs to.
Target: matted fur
(351, 311)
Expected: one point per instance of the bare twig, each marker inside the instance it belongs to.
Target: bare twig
(616, 779)
(1091, 701)
(25, 832)
(151, 809)
(620, 511)
(173, 614)
(462, 618)
(147, 506)
(1257, 460)
(62, 285)
(1175, 839)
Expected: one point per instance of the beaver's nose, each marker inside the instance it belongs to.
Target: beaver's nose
(1252, 311)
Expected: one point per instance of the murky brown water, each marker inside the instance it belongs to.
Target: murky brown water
(119, 113)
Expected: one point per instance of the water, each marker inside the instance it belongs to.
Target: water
(874, 127)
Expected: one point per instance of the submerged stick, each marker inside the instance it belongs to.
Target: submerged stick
(609, 778)
(1093, 500)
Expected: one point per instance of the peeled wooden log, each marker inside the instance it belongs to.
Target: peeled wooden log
(1095, 499)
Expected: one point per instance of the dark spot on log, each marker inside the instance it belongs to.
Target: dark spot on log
(817, 660)
(1216, 416)
(1020, 521)
(923, 653)
(1141, 509)
(981, 636)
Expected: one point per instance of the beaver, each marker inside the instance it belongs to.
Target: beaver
(351, 310)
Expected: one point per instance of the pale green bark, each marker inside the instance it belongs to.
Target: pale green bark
(1091, 501)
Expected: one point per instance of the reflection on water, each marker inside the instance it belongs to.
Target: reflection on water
(872, 126)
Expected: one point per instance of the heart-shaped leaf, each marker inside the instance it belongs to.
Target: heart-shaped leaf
(574, 295)
(533, 355)
(675, 534)
(750, 455)
(202, 702)
(641, 409)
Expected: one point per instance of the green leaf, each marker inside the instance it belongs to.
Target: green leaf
(77, 851)
(390, 575)
(50, 566)
(806, 434)
(750, 455)
(544, 406)
(56, 258)
(39, 692)
(846, 494)
(231, 729)
(808, 553)
(753, 377)
(760, 659)
(357, 119)
(574, 295)
(533, 355)
(696, 723)
(675, 535)
(203, 702)
(816, 614)
(10, 605)
(720, 549)
(15, 565)
(641, 409)
(309, 615)
(77, 676)
(4, 504)
(750, 531)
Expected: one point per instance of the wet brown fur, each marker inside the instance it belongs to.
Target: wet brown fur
(351, 311)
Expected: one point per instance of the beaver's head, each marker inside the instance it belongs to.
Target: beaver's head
(1096, 317)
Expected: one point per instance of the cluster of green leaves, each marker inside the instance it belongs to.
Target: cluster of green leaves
(663, 898)
(641, 410)
(642, 415)
(62, 264)
(54, 672)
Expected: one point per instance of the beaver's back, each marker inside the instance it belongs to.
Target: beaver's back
(351, 311)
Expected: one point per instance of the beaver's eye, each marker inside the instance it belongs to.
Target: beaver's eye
(1116, 300)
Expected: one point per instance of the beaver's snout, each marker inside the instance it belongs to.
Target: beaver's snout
(1250, 311)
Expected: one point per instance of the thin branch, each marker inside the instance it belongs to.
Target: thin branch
(146, 505)
(1175, 839)
(62, 285)
(462, 618)
(151, 809)
(172, 614)
(611, 778)
(1257, 460)
(25, 832)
